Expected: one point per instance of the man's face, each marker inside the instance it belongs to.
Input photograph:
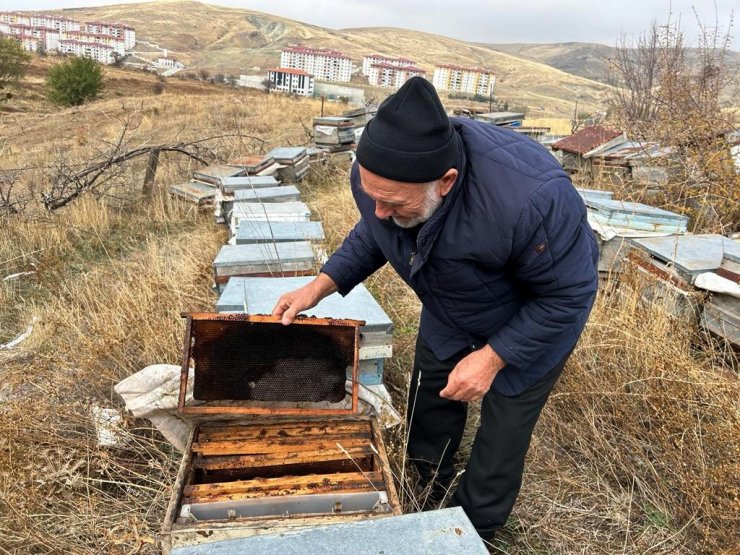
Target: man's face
(408, 204)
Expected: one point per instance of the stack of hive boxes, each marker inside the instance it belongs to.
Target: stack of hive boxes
(293, 163)
(334, 134)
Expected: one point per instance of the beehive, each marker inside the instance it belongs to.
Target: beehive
(279, 444)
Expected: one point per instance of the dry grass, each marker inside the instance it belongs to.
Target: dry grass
(637, 450)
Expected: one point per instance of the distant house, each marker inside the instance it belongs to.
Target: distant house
(168, 62)
(289, 80)
(575, 147)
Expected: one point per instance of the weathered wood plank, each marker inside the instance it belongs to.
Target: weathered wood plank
(293, 485)
(283, 431)
(230, 462)
(294, 445)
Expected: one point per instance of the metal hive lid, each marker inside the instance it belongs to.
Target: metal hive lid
(252, 364)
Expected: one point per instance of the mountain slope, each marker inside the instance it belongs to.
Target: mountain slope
(237, 40)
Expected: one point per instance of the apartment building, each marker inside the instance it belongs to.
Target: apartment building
(468, 80)
(323, 63)
(95, 39)
(126, 33)
(391, 76)
(290, 80)
(101, 53)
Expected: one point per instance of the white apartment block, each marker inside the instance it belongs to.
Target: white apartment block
(124, 32)
(101, 53)
(323, 63)
(29, 43)
(469, 80)
(372, 59)
(391, 76)
(96, 39)
(54, 22)
(109, 40)
(14, 18)
(290, 80)
(45, 37)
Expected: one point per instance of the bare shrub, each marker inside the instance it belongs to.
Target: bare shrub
(664, 93)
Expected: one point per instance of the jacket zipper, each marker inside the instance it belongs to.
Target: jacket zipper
(411, 260)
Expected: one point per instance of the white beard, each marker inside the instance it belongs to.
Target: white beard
(432, 201)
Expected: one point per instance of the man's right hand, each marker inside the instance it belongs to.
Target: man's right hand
(293, 303)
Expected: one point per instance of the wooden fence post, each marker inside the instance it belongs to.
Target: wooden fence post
(151, 172)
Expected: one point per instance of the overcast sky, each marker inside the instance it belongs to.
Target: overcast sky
(475, 20)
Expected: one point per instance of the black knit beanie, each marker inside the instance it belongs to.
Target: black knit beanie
(411, 138)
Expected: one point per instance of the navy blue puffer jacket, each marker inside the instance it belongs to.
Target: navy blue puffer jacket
(508, 259)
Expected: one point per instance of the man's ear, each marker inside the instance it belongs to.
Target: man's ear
(446, 182)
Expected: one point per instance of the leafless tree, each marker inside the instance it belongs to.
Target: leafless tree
(110, 168)
(663, 92)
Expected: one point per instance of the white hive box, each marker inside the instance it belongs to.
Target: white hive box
(287, 193)
(278, 232)
(296, 258)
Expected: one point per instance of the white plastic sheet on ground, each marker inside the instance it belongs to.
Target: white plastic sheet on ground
(153, 393)
(710, 281)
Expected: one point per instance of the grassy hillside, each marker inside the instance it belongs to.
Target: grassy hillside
(590, 60)
(235, 40)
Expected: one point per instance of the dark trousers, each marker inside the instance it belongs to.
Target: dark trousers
(490, 484)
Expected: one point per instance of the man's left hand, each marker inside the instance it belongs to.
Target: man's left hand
(471, 379)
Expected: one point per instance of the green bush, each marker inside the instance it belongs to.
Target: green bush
(73, 82)
(13, 62)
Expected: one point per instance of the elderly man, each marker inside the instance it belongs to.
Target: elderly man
(486, 228)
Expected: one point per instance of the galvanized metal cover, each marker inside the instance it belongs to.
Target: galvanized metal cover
(691, 254)
(238, 255)
(268, 194)
(429, 533)
(248, 182)
(278, 232)
(263, 293)
(287, 153)
(281, 211)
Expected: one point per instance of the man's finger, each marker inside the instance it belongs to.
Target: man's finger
(290, 314)
(450, 391)
(282, 305)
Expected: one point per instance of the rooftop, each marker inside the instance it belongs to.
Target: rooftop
(290, 70)
(586, 139)
(303, 49)
(461, 68)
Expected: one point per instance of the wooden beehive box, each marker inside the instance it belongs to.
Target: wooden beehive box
(278, 444)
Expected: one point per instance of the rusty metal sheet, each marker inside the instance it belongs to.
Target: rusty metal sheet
(586, 139)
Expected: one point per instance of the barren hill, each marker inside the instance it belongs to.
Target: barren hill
(237, 40)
